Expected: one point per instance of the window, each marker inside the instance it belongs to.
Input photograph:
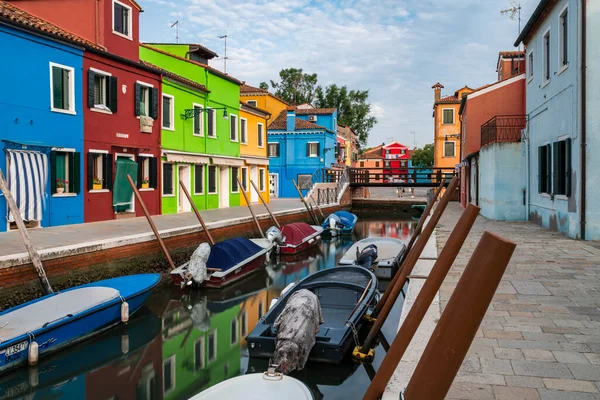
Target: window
(245, 178)
(244, 322)
(198, 179)
(563, 42)
(65, 172)
(168, 112)
(386, 164)
(146, 100)
(243, 130)
(273, 150)
(169, 374)
(402, 151)
(199, 354)
(547, 57)
(168, 179)
(234, 332)
(312, 149)
(147, 172)
(212, 123)
(252, 103)
(212, 346)
(304, 181)
(403, 164)
(447, 116)
(102, 91)
(530, 66)
(233, 128)
(212, 179)
(234, 180)
(362, 164)
(62, 88)
(198, 121)
(99, 170)
(562, 167)
(261, 135)
(262, 180)
(449, 149)
(544, 169)
(376, 164)
(121, 19)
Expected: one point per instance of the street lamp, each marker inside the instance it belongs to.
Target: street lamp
(193, 112)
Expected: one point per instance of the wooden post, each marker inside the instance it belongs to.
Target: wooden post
(407, 266)
(250, 208)
(319, 208)
(460, 320)
(265, 204)
(426, 212)
(187, 194)
(423, 301)
(149, 218)
(305, 203)
(33, 254)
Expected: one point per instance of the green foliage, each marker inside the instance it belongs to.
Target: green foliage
(264, 85)
(423, 158)
(295, 86)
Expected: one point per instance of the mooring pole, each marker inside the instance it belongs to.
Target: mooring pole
(265, 204)
(33, 254)
(149, 218)
(187, 194)
(460, 320)
(407, 267)
(423, 301)
(319, 208)
(426, 212)
(305, 203)
(250, 207)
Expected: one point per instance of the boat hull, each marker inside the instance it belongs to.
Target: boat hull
(289, 249)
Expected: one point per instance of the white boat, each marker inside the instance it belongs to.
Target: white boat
(390, 253)
(268, 385)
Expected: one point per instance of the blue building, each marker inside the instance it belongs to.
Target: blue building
(301, 144)
(561, 144)
(42, 120)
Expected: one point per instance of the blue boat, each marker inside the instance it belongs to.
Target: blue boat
(339, 223)
(61, 319)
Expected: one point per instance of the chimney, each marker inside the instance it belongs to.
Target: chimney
(291, 120)
(437, 92)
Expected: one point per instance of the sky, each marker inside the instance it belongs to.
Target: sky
(397, 49)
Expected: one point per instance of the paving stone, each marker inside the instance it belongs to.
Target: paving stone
(538, 355)
(560, 329)
(593, 358)
(529, 344)
(501, 334)
(541, 369)
(580, 347)
(495, 366)
(508, 354)
(547, 337)
(515, 393)
(570, 385)
(547, 394)
(571, 357)
(469, 391)
(586, 372)
(482, 379)
(524, 381)
(472, 364)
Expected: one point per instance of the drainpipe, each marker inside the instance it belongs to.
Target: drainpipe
(583, 116)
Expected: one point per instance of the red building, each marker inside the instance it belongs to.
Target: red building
(121, 105)
(396, 157)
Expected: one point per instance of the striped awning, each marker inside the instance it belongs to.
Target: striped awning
(27, 180)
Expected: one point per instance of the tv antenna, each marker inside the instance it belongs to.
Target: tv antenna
(514, 12)
(225, 57)
(176, 25)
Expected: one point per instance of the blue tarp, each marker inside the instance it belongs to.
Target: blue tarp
(229, 253)
(346, 218)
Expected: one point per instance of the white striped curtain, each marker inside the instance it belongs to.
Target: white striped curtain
(27, 180)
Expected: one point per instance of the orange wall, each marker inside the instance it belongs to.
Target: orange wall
(441, 130)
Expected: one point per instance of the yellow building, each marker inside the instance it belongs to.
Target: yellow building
(446, 127)
(253, 149)
(350, 154)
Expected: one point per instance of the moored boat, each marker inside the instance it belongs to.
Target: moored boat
(340, 223)
(48, 324)
(345, 294)
(299, 236)
(390, 253)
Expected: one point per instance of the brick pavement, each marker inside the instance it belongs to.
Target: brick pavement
(540, 338)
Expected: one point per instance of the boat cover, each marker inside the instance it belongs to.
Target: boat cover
(387, 249)
(197, 264)
(297, 232)
(346, 218)
(231, 252)
(257, 387)
(33, 316)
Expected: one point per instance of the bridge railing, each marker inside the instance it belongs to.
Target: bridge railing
(400, 176)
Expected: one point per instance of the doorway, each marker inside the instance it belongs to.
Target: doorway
(273, 185)
(183, 203)
(224, 187)
(254, 178)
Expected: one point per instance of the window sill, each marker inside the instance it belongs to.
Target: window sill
(546, 195)
(530, 79)
(59, 110)
(199, 194)
(211, 137)
(233, 141)
(244, 143)
(261, 147)
(99, 191)
(101, 111)
(168, 129)
(561, 197)
(545, 83)
(64, 195)
(198, 134)
(562, 69)
(122, 35)
(168, 195)
(212, 193)
(146, 190)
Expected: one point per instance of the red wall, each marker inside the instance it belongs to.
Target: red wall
(395, 164)
(509, 67)
(118, 44)
(100, 133)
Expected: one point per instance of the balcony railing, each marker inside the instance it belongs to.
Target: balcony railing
(503, 129)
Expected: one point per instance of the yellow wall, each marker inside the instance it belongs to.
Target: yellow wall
(441, 130)
(267, 103)
(251, 149)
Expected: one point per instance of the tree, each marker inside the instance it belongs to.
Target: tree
(352, 107)
(264, 85)
(295, 86)
(423, 158)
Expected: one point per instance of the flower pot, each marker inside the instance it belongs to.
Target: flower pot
(60, 190)
(145, 185)
(97, 186)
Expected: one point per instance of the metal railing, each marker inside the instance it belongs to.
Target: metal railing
(400, 177)
(503, 129)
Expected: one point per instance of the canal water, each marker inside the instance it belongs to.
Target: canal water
(182, 342)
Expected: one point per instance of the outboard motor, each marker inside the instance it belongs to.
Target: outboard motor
(274, 235)
(367, 256)
(334, 222)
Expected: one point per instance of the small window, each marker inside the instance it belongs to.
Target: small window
(449, 149)
(448, 116)
(244, 178)
(261, 135)
(547, 57)
(198, 121)
(563, 42)
(198, 179)
(234, 180)
(243, 130)
(99, 171)
(402, 151)
(169, 374)
(144, 100)
(545, 169)
(100, 91)
(168, 179)
(233, 128)
(212, 346)
(562, 167)
(252, 103)
(530, 65)
(403, 163)
(212, 123)
(386, 164)
(304, 182)
(377, 164)
(312, 149)
(262, 180)
(199, 354)
(234, 328)
(273, 150)
(362, 164)
(62, 88)
(65, 172)
(121, 19)
(212, 179)
(244, 323)
(147, 174)
(168, 112)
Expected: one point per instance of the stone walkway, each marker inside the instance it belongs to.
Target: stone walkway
(540, 338)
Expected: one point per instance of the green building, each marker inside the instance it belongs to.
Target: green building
(200, 128)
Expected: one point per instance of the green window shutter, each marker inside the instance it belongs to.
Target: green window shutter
(66, 86)
(107, 174)
(112, 94)
(53, 172)
(154, 103)
(568, 167)
(91, 76)
(75, 172)
(91, 158)
(138, 94)
(555, 168)
(153, 172)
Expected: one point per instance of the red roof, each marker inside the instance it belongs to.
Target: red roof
(448, 99)
(314, 111)
(280, 123)
(246, 89)
(297, 232)
(375, 152)
(176, 77)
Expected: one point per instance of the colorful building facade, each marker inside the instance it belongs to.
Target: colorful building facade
(396, 157)
(253, 149)
(351, 151)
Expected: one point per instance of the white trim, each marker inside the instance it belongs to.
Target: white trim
(213, 134)
(129, 20)
(453, 117)
(203, 180)
(235, 322)
(237, 128)
(99, 191)
(99, 71)
(145, 189)
(309, 152)
(144, 83)
(263, 135)
(562, 67)
(171, 126)
(71, 70)
(64, 194)
(201, 115)
(496, 86)
(245, 142)
(231, 178)
(101, 111)
(544, 80)
(147, 155)
(217, 170)
(247, 178)
(203, 353)
(252, 105)
(264, 188)
(64, 150)
(215, 346)
(173, 373)
(98, 151)
(162, 175)
(529, 71)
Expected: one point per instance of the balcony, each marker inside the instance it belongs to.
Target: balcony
(503, 129)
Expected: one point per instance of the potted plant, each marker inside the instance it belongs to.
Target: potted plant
(60, 185)
(97, 183)
(145, 183)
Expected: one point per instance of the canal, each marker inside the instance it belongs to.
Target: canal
(183, 341)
